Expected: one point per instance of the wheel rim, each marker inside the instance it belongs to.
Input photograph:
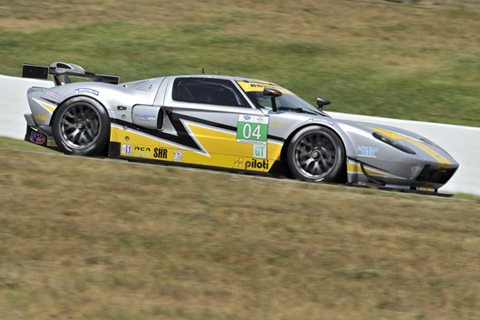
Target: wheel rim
(80, 125)
(315, 155)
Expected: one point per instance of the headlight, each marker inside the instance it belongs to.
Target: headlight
(393, 143)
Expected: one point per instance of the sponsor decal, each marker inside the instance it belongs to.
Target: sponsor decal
(51, 142)
(322, 120)
(256, 164)
(258, 87)
(367, 151)
(37, 138)
(252, 129)
(142, 154)
(260, 151)
(39, 117)
(277, 124)
(160, 153)
(178, 155)
(142, 151)
(126, 149)
(261, 85)
(54, 94)
(87, 90)
(145, 116)
(238, 163)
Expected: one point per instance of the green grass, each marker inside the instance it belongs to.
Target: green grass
(403, 62)
(9, 143)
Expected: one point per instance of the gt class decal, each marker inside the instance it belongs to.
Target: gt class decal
(253, 129)
(260, 151)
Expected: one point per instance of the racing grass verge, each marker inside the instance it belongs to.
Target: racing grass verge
(85, 238)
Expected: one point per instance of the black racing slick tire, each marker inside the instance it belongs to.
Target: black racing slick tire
(316, 154)
(81, 126)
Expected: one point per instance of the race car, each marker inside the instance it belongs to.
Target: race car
(223, 122)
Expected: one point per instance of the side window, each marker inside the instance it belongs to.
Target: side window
(209, 91)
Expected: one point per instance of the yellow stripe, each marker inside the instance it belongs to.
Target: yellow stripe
(352, 167)
(223, 150)
(48, 107)
(427, 186)
(389, 134)
(443, 163)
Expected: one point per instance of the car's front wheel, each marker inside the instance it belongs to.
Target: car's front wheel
(315, 154)
(81, 126)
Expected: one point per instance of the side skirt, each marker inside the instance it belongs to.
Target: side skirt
(277, 170)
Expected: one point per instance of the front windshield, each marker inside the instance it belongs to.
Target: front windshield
(288, 102)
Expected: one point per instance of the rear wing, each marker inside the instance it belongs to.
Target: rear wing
(64, 70)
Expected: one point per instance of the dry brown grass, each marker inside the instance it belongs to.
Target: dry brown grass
(83, 238)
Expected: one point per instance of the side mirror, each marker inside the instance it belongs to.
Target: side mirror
(322, 102)
(272, 93)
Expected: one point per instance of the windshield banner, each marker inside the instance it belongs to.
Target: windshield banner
(259, 86)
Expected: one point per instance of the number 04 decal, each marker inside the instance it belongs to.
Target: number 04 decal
(252, 129)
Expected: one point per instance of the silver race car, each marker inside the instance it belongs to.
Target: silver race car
(229, 123)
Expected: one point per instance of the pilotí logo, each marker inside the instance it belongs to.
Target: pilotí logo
(256, 164)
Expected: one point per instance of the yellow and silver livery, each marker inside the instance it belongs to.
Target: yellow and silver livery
(229, 123)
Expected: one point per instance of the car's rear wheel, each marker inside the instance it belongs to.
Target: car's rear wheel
(81, 126)
(316, 154)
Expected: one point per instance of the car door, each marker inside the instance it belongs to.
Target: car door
(212, 123)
